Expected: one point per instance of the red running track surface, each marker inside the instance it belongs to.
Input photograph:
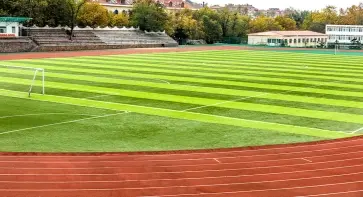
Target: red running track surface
(330, 168)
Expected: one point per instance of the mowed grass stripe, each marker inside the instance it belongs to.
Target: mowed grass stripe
(233, 62)
(201, 73)
(275, 79)
(350, 61)
(205, 81)
(215, 69)
(210, 90)
(183, 115)
(251, 115)
(239, 65)
(343, 117)
(155, 67)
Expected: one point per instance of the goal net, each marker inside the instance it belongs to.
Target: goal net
(22, 79)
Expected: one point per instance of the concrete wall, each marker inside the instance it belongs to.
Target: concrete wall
(16, 45)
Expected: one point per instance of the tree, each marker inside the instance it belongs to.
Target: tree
(263, 23)
(212, 30)
(93, 15)
(74, 7)
(224, 19)
(352, 16)
(57, 13)
(149, 16)
(118, 20)
(286, 23)
(184, 26)
(316, 21)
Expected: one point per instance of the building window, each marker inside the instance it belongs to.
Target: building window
(123, 2)
(13, 30)
(299, 40)
(290, 41)
(295, 40)
(303, 40)
(115, 12)
(2, 30)
(318, 39)
(170, 4)
(182, 5)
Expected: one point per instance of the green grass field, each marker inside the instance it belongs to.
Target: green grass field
(184, 100)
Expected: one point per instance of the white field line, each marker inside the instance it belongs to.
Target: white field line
(201, 159)
(237, 183)
(195, 153)
(331, 194)
(356, 131)
(99, 96)
(258, 95)
(229, 101)
(212, 185)
(262, 190)
(40, 114)
(60, 123)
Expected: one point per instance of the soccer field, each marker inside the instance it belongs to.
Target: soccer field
(180, 100)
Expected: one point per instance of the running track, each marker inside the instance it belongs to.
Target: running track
(331, 168)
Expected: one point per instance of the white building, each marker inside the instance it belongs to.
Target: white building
(289, 38)
(10, 26)
(344, 34)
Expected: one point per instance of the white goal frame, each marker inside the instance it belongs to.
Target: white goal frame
(36, 70)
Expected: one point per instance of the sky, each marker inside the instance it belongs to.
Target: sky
(298, 4)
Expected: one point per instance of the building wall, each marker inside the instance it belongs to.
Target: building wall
(344, 33)
(9, 29)
(292, 41)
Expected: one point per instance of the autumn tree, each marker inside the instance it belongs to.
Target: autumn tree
(316, 21)
(286, 23)
(118, 20)
(352, 16)
(263, 23)
(93, 15)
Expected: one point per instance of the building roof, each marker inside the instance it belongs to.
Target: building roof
(14, 19)
(287, 33)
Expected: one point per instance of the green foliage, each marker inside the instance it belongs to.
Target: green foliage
(212, 30)
(118, 20)
(149, 16)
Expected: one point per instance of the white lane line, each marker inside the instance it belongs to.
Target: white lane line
(217, 160)
(182, 172)
(306, 160)
(195, 153)
(184, 166)
(263, 190)
(194, 186)
(40, 114)
(236, 183)
(60, 123)
(337, 193)
(176, 179)
(211, 158)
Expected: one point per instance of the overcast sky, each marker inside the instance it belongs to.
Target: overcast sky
(298, 4)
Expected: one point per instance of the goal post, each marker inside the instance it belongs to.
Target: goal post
(37, 71)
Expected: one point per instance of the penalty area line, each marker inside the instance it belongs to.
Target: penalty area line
(66, 122)
(356, 131)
